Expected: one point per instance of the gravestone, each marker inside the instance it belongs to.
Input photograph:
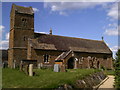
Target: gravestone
(56, 68)
(30, 69)
(3, 65)
(21, 66)
(14, 64)
(26, 69)
(39, 66)
(62, 68)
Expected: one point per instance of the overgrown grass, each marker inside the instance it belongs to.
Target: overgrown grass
(13, 78)
(109, 72)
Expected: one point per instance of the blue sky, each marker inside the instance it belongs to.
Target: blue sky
(89, 20)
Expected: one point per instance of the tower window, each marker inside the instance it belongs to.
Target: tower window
(24, 22)
(24, 38)
(105, 57)
(46, 57)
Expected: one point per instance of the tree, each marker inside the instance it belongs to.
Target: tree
(117, 69)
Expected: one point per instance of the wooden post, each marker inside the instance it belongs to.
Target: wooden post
(30, 69)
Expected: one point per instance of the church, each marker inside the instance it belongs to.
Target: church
(47, 49)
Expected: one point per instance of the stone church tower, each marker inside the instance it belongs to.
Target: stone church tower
(21, 28)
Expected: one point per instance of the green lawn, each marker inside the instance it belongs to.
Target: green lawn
(13, 78)
(109, 72)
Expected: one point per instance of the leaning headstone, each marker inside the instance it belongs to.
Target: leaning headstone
(30, 69)
(56, 68)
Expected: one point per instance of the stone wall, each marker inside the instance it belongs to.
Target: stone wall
(86, 59)
(39, 56)
(16, 55)
(88, 82)
(96, 61)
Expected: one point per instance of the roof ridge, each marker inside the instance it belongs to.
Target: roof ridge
(74, 37)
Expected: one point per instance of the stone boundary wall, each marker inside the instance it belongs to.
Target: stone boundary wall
(88, 82)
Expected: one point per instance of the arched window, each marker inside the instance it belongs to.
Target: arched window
(46, 58)
(24, 38)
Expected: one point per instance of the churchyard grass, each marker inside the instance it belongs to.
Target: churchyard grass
(44, 78)
(109, 72)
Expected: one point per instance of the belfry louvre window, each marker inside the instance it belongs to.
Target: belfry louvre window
(46, 57)
(24, 22)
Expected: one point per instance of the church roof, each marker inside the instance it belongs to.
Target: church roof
(21, 9)
(55, 42)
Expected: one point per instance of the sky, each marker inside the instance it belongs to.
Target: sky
(89, 20)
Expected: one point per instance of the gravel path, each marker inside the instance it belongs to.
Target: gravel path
(108, 83)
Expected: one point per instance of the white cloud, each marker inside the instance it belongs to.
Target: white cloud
(112, 29)
(7, 36)
(114, 48)
(84, 4)
(1, 30)
(59, 6)
(63, 13)
(113, 11)
(35, 9)
(41, 32)
(112, 25)
(4, 44)
(2, 27)
(111, 32)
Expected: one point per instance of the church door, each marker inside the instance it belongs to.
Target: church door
(70, 63)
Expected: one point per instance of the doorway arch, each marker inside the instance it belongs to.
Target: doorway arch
(70, 63)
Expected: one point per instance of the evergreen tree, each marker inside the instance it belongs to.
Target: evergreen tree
(117, 69)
